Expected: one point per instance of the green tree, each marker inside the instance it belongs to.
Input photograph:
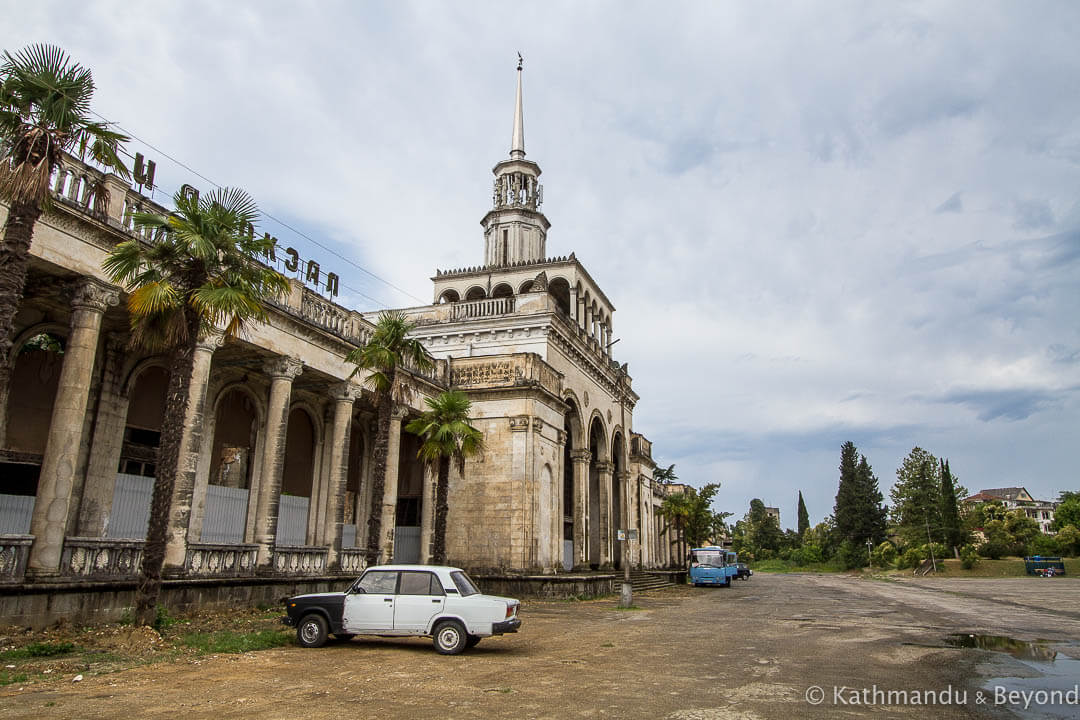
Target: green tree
(201, 272)
(447, 437)
(44, 113)
(385, 357)
(952, 531)
(764, 534)
(676, 509)
(859, 514)
(701, 522)
(916, 498)
(665, 476)
(804, 517)
(1067, 512)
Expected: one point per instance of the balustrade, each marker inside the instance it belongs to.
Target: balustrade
(219, 560)
(482, 308)
(299, 560)
(14, 552)
(353, 560)
(92, 558)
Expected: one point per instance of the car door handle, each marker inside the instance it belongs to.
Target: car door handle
(436, 601)
(390, 600)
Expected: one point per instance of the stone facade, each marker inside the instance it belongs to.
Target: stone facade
(275, 477)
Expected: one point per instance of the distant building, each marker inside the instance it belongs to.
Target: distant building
(1013, 498)
(774, 512)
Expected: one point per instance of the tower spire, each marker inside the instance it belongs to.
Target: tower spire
(517, 145)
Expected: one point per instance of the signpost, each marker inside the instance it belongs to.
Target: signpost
(626, 598)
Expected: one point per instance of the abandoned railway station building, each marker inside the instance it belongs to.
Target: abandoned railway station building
(527, 337)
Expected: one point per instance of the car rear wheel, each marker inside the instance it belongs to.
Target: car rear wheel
(311, 632)
(449, 637)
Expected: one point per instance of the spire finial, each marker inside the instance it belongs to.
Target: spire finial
(517, 146)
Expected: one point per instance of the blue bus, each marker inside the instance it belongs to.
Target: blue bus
(712, 565)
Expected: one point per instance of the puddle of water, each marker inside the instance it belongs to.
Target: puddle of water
(1052, 692)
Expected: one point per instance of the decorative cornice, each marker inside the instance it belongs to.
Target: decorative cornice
(91, 294)
(284, 367)
(481, 269)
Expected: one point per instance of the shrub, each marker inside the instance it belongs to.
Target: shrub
(969, 557)
(911, 558)
(807, 555)
(851, 555)
(884, 555)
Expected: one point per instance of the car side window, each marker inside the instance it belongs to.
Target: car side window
(417, 583)
(380, 582)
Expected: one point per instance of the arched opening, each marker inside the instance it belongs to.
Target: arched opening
(619, 514)
(559, 289)
(598, 451)
(502, 290)
(34, 381)
(475, 293)
(525, 287)
(449, 296)
(409, 501)
(232, 459)
(571, 423)
(296, 479)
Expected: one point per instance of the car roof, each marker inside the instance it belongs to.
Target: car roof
(430, 568)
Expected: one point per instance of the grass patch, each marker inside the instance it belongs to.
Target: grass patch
(629, 607)
(1005, 567)
(11, 678)
(39, 650)
(787, 566)
(229, 641)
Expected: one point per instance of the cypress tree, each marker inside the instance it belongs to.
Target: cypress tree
(859, 513)
(950, 510)
(804, 517)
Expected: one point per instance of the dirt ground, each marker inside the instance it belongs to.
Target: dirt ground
(750, 652)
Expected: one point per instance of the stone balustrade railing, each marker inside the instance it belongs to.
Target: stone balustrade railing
(215, 560)
(346, 324)
(481, 308)
(353, 560)
(91, 558)
(14, 551)
(300, 560)
(492, 371)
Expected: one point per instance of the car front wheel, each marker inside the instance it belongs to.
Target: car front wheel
(450, 637)
(311, 632)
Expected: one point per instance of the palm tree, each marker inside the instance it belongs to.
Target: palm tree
(44, 113)
(676, 510)
(447, 436)
(383, 356)
(201, 272)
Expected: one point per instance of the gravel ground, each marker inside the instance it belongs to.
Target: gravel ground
(749, 652)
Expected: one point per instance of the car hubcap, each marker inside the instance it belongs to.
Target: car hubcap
(448, 638)
(310, 632)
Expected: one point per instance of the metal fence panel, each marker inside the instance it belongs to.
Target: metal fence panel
(130, 514)
(225, 515)
(568, 554)
(292, 520)
(406, 544)
(348, 536)
(15, 514)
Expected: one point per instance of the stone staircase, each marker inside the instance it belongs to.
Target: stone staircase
(642, 581)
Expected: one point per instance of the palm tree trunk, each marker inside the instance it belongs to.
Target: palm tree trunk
(14, 264)
(384, 408)
(168, 462)
(442, 506)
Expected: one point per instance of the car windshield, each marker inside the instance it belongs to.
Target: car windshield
(464, 585)
(708, 558)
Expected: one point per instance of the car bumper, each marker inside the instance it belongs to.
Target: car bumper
(510, 626)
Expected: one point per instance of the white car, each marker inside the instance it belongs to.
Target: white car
(405, 600)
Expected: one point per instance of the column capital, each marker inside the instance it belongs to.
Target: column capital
(87, 293)
(211, 341)
(519, 423)
(580, 455)
(605, 467)
(284, 367)
(622, 475)
(345, 392)
(537, 425)
(399, 412)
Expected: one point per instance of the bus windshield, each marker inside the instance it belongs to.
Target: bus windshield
(707, 558)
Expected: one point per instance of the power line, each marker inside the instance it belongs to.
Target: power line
(266, 214)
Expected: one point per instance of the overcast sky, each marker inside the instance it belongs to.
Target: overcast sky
(818, 222)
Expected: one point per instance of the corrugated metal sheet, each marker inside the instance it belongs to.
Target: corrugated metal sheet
(292, 520)
(225, 515)
(15, 514)
(348, 536)
(130, 507)
(406, 544)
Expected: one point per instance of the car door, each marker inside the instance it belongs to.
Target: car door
(419, 598)
(369, 604)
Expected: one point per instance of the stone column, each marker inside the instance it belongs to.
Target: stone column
(344, 395)
(181, 528)
(427, 512)
(604, 469)
(57, 479)
(589, 329)
(282, 372)
(581, 460)
(573, 304)
(105, 445)
(390, 489)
